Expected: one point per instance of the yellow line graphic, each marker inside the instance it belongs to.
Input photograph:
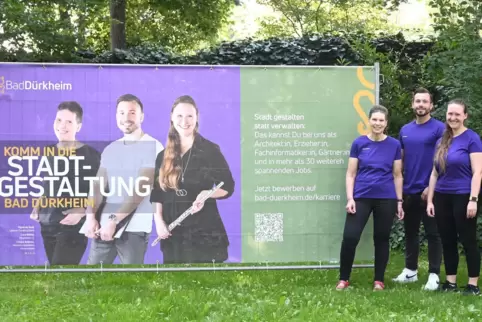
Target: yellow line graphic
(362, 79)
(363, 126)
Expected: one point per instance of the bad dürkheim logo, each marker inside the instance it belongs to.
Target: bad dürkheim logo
(31, 85)
(2, 85)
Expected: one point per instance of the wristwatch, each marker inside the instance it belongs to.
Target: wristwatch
(474, 199)
(113, 218)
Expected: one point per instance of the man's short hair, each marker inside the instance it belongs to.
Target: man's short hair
(422, 90)
(130, 98)
(74, 107)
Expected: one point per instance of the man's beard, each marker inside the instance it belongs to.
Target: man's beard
(129, 129)
(422, 112)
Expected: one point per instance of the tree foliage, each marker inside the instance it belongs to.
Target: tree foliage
(458, 17)
(301, 17)
(455, 64)
(62, 27)
(47, 26)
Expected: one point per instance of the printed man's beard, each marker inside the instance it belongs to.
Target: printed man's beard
(130, 128)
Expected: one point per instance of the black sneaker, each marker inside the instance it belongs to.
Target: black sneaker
(449, 287)
(471, 290)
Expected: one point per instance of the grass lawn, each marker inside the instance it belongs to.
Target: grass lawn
(304, 295)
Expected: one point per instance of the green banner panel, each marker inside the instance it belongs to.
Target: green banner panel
(297, 126)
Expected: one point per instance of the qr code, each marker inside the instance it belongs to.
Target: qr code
(268, 227)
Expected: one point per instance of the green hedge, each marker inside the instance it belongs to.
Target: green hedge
(308, 50)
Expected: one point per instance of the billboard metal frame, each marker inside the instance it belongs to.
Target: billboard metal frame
(158, 267)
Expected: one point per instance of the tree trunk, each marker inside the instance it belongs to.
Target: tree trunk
(117, 24)
(81, 29)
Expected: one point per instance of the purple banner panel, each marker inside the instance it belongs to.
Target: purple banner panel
(30, 96)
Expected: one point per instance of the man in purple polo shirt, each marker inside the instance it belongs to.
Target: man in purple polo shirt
(418, 140)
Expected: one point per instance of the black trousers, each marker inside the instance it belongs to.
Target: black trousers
(415, 209)
(454, 226)
(63, 245)
(186, 246)
(384, 211)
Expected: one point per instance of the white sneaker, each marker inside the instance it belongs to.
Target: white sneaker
(407, 276)
(432, 283)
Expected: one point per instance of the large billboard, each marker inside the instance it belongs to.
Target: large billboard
(277, 138)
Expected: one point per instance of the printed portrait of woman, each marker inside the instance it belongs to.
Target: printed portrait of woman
(188, 167)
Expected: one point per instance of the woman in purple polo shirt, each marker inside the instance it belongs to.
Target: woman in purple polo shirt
(453, 195)
(374, 183)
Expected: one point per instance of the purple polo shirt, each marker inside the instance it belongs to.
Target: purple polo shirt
(374, 177)
(457, 178)
(418, 143)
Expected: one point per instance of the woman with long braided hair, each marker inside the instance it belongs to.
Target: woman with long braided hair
(453, 195)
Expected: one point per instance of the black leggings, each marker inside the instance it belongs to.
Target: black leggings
(384, 210)
(453, 225)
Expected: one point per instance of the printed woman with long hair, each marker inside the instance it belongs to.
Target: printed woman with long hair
(186, 169)
(453, 195)
(374, 183)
